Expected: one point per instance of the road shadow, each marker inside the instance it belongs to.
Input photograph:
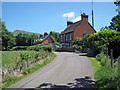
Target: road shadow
(82, 83)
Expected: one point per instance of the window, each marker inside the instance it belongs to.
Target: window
(70, 45)
(70, 35)
(66, 37)
(61, 38)
(84, 34)
(64, 45)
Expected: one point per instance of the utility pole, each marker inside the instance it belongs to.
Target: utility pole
(92, 17)
(93, 26)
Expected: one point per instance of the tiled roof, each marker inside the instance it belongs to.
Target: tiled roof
(41, 39)
(71, 27)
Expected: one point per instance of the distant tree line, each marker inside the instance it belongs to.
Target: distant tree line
(10, 40)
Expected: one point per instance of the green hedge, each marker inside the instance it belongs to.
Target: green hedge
(40, 46)
(19, 48)
(33, 48)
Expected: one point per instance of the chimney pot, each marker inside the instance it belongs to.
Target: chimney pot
(41, 35)
(84, 17)
(45, 34)
(69, 23)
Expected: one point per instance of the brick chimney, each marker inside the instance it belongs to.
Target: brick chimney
(84, 17)
(69, 23)
(41, 35)
(45, 34)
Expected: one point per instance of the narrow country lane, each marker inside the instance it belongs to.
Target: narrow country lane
(68, 69)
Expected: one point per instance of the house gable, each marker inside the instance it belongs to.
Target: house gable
(48, 40)
(83, 28)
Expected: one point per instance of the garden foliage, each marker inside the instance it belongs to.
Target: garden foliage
(101, 41)
(106, 76)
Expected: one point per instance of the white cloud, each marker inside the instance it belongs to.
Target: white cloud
(77, 19)
(71, 14)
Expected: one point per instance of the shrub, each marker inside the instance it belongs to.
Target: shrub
(77, 48)
(107, 77)
(100, 41)
(25, 56)
(104, 59)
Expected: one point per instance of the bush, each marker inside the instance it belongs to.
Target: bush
(19, 48)
(106, 76)
(104, 59)
(77, 48)
(39, 47)
(25, 56)
(100, 41)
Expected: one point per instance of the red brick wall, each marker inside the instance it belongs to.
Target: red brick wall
(84, 27)
(47, 40)
(68, 37)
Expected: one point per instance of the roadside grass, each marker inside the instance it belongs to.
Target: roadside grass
(95, 63)
(28, 71)
(9, 57)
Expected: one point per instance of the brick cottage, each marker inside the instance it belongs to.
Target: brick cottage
(73, 30)
(46, 39)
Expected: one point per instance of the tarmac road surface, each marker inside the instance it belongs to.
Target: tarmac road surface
(67, 70)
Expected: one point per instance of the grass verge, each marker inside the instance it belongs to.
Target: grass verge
(95, 64)
(12, 80)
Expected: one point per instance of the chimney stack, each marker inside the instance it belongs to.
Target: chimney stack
(45, 34)
(84, 17)
(69, 23)
(41, 35)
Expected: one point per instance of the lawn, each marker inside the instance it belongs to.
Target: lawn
(95, 64)
(9, 58)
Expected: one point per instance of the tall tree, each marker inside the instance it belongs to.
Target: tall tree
(115, 23)
(8, 40)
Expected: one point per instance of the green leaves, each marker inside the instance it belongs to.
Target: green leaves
(115, 23)
(25, 56)
(100, 40)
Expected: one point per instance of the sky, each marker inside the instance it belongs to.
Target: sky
(40, 17)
